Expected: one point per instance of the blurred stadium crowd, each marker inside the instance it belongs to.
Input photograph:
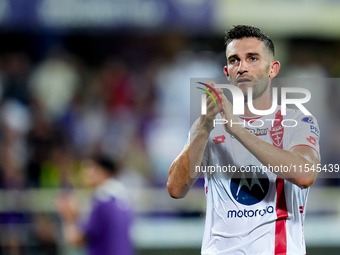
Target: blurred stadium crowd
(123, 99)
(125, 96)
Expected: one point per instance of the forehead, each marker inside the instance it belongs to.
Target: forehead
(244, 46)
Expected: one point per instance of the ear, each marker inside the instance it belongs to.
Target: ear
(225, 70)
(274, 68)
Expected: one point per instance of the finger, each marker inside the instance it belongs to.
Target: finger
(215, 95)
(213, 100)
(213, 108)
(211, 83)
(216, 91)
(210, 86)
(225, 100)
(211, 104)
(219, 91)
(227, 109)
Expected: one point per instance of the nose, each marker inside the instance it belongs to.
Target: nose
(242, 68)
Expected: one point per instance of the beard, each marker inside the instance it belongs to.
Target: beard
(259, 86)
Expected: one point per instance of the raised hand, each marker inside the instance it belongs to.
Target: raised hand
(227, 114)
(213, 106)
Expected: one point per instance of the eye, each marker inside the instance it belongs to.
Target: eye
(232, 61)
(253, 59)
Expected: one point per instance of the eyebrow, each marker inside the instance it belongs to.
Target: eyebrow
(250, 54)
(232, 56)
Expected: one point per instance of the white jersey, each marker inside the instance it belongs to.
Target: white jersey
(254, 211)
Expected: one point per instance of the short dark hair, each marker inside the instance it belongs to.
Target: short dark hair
(106, 163)
(244, 31)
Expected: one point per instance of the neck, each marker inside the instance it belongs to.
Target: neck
(264, 102)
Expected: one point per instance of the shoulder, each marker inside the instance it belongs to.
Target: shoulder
(110, 209)
(111, 189)
(300, 117)
(301, 125)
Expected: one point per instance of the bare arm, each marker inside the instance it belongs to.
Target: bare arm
(68, 210)
(182, 174)
(268, 154)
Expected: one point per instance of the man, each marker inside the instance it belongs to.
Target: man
(106, 228)
(251, 211)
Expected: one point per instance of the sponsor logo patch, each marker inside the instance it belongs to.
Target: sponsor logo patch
(219, 139)
(250, 213)
(258, 131)
(249, 188)
(315, 130)
(309, 120)
(312, 140)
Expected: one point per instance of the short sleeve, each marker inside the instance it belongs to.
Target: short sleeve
(306, 133)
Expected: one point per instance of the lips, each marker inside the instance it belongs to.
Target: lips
(241, 80)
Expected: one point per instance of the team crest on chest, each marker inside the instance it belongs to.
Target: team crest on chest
(276, 134)
(277, 131)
